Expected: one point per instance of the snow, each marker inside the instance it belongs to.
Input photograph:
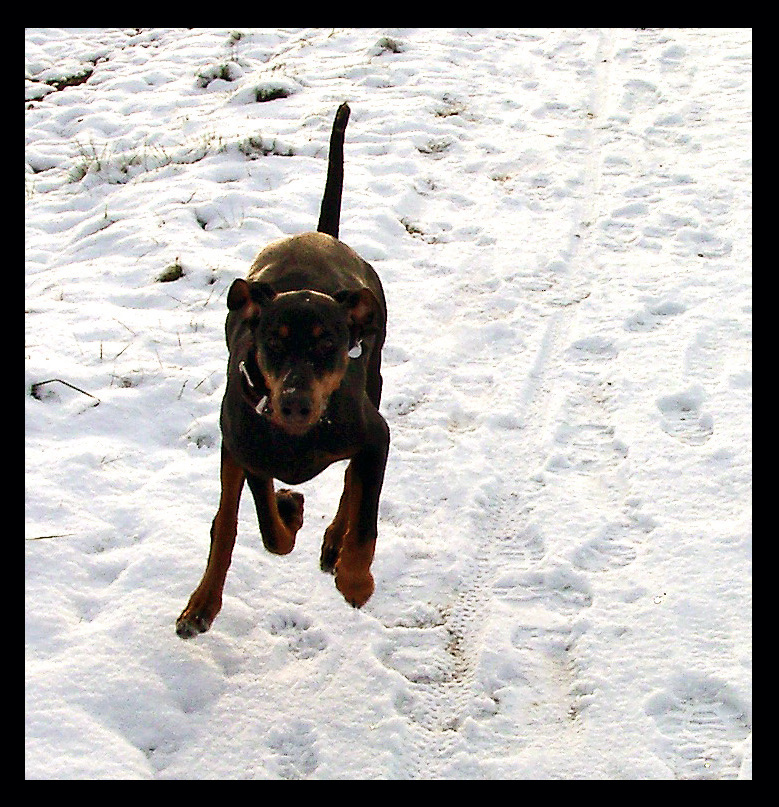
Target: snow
(562, 222)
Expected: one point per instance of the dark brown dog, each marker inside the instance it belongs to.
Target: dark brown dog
(304, 335)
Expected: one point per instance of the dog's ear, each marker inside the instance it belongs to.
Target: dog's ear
(246, 299)
(362, 308)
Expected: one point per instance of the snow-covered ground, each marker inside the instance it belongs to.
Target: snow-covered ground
(562, 221)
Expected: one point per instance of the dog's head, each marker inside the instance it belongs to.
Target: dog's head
(303, 342)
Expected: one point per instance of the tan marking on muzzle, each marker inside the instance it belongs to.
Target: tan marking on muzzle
(318, 391)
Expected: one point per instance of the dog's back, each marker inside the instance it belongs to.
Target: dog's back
(315, 261)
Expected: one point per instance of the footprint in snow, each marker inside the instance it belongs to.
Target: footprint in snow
(421, 655)
(704, 359)
(702, 243)
(592, 348)
(616, 544)
(672, 57)
(613, 547)
(293, 746)
(586, 448)
(703, 725)
(557, 591)
(682, 418)
(303, 640)
(640, 94)
(654, 315)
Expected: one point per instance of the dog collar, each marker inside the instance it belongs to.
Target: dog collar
(257, 400)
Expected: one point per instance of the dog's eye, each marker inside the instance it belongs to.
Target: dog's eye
(275, 337)
(274, 343)
(325, 346)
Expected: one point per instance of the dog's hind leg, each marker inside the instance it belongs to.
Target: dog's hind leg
(206, 600)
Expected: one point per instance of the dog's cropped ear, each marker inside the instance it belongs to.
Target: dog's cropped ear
(246, 299)
(363, 309)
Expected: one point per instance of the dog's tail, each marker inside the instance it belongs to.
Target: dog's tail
(330, 212)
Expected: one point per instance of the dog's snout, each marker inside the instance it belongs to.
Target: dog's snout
(296, 405)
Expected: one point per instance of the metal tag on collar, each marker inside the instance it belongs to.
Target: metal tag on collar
(356, 351)
(242, 368)
(263, 402)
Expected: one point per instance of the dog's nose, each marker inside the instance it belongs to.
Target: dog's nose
(296, 405)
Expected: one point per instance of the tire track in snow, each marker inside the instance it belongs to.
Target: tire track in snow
(537, 587)
(480, 669)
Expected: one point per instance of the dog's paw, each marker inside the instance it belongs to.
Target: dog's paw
(331, 548)
(355, 587)
(328, 558)
(290, 506)
(201, 611)
(192, 622)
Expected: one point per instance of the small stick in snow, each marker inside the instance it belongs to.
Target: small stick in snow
(35, 387)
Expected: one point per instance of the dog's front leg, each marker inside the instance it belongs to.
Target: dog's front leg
(279, 513)
(206, 600)
(358, 515)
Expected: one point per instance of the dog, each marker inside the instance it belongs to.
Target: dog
(304, 335)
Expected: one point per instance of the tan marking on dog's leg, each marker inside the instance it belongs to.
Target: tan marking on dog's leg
(278, 534)
(206, 600)
(353, 577)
